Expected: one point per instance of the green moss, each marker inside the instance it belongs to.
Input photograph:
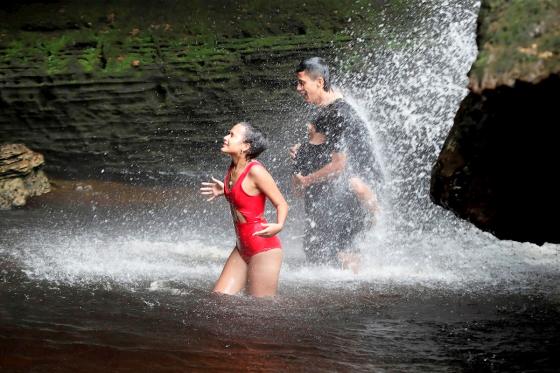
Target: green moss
(211, 35)
(55, 61)
(518, 39)
(480, 64)
(89, 59)
(14, 50)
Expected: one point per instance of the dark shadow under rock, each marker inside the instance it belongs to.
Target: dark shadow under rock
(498, 167)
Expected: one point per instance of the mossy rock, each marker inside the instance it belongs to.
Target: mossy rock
(518, 40)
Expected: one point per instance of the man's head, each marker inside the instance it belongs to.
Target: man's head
(313, 79)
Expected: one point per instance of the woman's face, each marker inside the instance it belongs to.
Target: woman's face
(234, 141)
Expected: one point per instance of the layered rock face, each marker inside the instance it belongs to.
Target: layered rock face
(498, 165)
(151, 87)
(20, 175)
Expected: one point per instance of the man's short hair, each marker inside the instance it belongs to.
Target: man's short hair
(316, 67)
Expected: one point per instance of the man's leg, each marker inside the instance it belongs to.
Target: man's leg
(316, 237)
(364, 194)
(346, 254)
(349, 260)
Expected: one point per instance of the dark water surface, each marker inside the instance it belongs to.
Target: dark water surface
(89, 285)
(59, 328)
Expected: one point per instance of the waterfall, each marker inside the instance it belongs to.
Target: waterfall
(407, 86)
(409, 98)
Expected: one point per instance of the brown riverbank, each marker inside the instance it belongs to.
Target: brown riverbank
(110, 194)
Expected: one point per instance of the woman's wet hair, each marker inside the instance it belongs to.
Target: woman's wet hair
(316, 67)
(255, 138)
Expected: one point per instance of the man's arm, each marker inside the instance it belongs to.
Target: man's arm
(329, 171)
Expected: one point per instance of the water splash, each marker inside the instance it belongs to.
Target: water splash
(463, 261)
(407, 85)
(416, 78)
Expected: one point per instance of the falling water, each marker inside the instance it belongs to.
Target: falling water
(407, 85)
(409, 97)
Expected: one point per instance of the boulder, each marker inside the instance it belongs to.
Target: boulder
(497, 168)
(20, 175)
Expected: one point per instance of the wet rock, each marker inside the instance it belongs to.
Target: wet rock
(17, 160)
(518, 41)
(20, 175)
(497, 168)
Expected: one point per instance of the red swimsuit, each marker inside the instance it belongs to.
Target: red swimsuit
(252, 209)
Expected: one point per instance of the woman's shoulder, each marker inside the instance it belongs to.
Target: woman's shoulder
(257, 168)
(256, 164)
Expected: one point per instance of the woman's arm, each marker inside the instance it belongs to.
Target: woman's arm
(213, 190)
(266, 184)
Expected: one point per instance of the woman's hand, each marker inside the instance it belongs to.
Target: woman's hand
(271, 229)
(214, 189)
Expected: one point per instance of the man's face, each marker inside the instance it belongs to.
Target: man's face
(310, 89)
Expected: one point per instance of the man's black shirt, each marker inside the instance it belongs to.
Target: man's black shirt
(346, 132)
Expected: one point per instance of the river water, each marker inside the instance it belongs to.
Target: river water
(103, 277)
(85, 287)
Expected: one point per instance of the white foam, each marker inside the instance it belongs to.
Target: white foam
(430, 260)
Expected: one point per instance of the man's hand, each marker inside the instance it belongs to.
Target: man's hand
(293, 151)
(300, 181)
(297, 189)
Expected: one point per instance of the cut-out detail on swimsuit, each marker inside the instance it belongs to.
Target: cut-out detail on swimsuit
(237, 216)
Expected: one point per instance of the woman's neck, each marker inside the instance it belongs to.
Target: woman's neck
(239, 161)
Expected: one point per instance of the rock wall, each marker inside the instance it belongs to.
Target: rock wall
(497, 167)
(151, 87)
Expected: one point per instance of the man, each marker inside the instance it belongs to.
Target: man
(341, 216)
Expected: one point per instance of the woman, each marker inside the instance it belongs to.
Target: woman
(256, 259)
